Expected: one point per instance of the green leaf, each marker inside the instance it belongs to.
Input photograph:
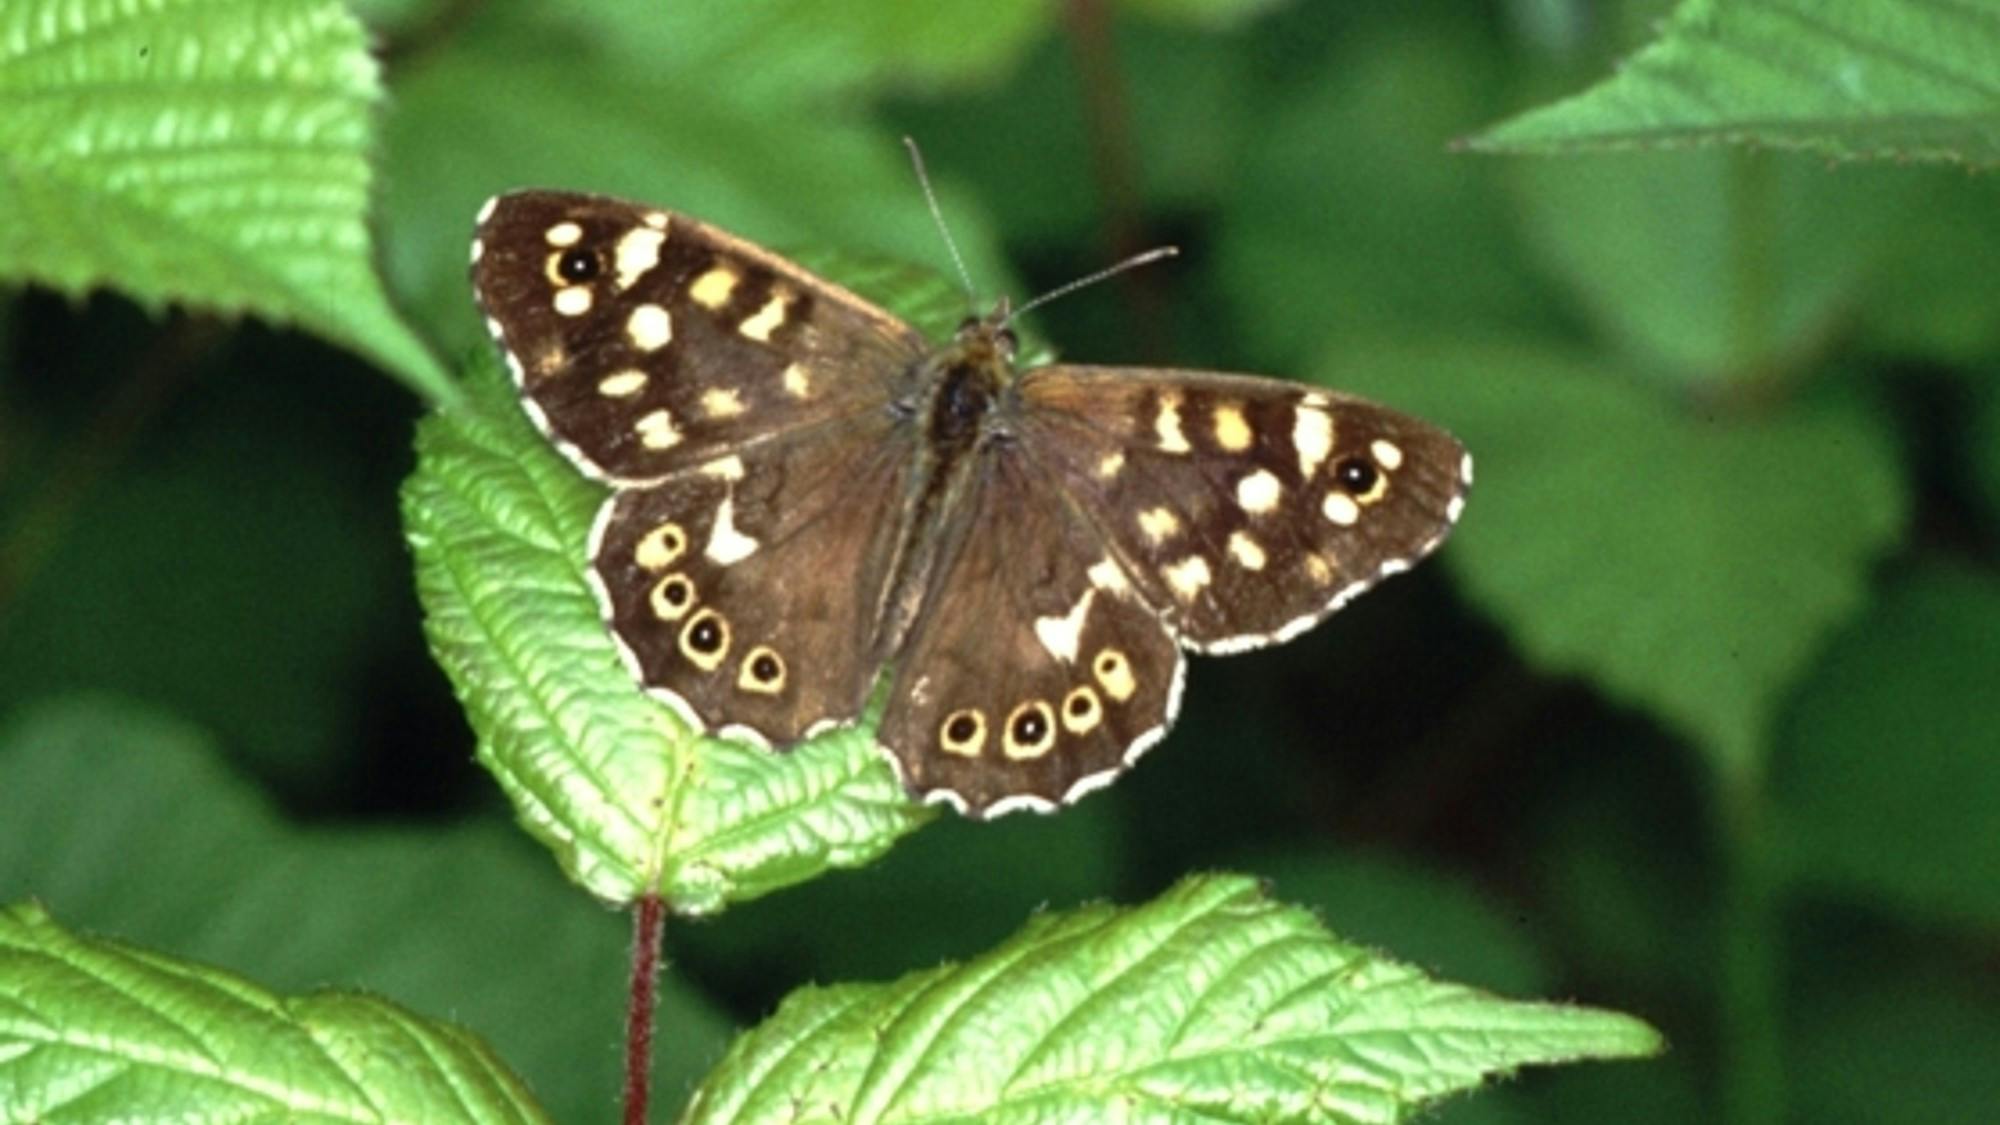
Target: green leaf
(1929, 1031)
(208, 153)
(92, 1030)
(800, 51)
(1210, 1004)
(1211, 14)
(121, 820)
(1986, 445)
(1719, 265)
(1348, 210)
(1427, 917)
(628, 797)
(521, 104)
(1692, 565)
(1888, 780)
(257, 635)
(1909, 79)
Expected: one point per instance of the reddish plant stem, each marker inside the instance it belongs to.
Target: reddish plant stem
(648, 922)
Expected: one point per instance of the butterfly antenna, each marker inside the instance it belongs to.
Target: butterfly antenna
(1133, 262)
(937, 216)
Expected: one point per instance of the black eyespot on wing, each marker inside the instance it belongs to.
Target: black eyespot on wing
(578, 265)
(1029, 727)
(706, 636)
(1355, 475)
(961, 728)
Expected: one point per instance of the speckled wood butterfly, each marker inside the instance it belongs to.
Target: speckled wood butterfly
(806, 492)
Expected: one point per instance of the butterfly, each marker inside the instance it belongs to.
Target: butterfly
(807, 494)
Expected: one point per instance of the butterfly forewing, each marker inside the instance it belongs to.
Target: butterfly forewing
(1036, 672)
(646, 341)
(1244, 509)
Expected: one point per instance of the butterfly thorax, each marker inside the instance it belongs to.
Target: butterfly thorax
(958, 400)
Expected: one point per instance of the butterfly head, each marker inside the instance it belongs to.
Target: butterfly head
(989, 336)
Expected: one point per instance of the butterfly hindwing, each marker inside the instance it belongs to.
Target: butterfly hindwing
(743, 591)
(645, 341)
(1245, 509)
(1035, 673)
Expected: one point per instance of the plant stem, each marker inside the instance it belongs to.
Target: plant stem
(1752, 1046)
(648, 923)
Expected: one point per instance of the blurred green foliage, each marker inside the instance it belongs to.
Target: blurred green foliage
(1694, 718)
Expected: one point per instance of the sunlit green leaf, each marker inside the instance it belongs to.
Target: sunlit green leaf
(627, 796)
(214, 154)
(1890, 775)
(1691, 563)
(92, 1030)
(1848, 78)
(121, 820)
(1210, 1004)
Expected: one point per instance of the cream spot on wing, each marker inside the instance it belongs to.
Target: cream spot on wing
(1465, 468)
(765, 321)
(660, 547)
(727, 468)
(573, 300)
(1114, 674)
(649, 328)
(478, 249)
(1341, 508)
(1167, 425)
(637, 252)
(1158, 525)
(1187, 577)
(1081, 710)
(656, 219)
(1319, 568)
(1108, 576)
(712, 289)
(551, 360)
(1245, 551)
(1312, 437)
(624, 384)
(486, 209)
(1232, 430)
(798, 383)
(1109, 465)
(657, 430)
(721, 402)
(1259, 492)
(1061, 633)
(726, 545)
(1386, 454)
(563, 234)
(1454, 509)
